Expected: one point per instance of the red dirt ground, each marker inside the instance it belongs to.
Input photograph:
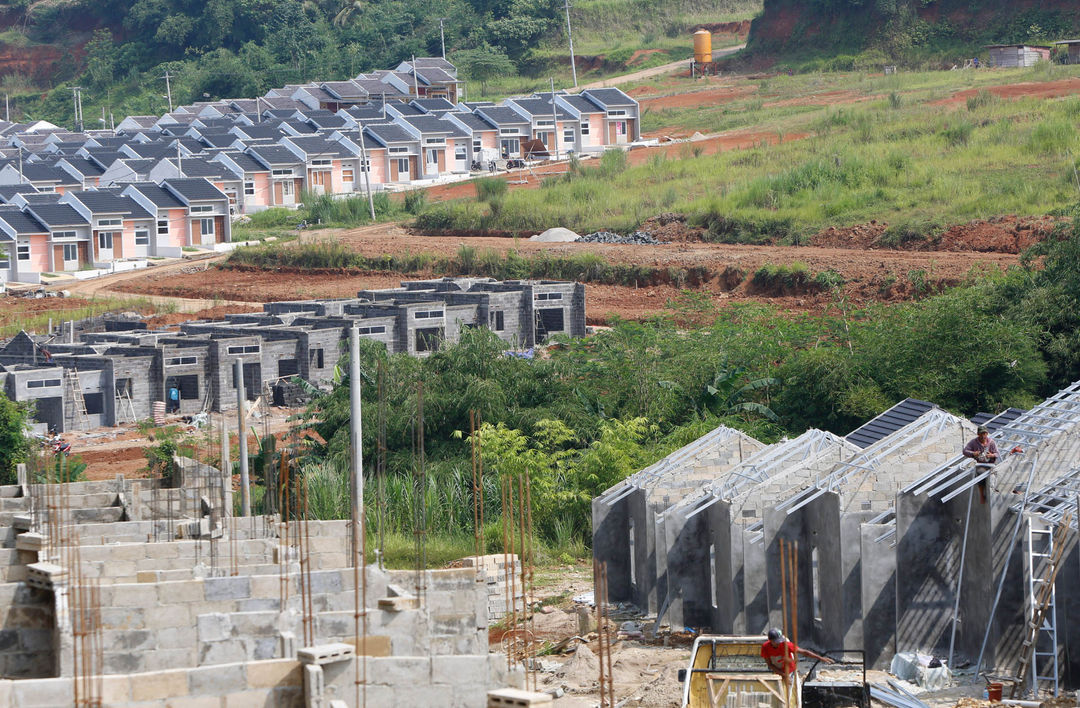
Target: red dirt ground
(869, 275)
(718, 94)
(1045, 89)
(1006, 234)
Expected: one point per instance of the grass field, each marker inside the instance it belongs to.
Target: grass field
(33, 315)
(894, 157)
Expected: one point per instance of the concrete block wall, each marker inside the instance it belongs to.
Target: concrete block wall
(26, 640)
(434, 682)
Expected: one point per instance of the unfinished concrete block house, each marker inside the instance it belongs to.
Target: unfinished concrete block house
(902, 543)
(111, 371)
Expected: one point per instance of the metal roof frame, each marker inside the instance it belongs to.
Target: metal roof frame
(1056, 499)
(932, 422)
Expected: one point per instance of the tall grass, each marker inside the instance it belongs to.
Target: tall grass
(16, 316)
(863, 161)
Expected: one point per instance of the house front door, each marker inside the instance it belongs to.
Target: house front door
(105, 246)
(142, 242)
(71, 256)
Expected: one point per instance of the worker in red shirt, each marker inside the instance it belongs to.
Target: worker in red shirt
(780, 656)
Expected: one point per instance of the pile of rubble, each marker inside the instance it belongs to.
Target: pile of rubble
(637, 238)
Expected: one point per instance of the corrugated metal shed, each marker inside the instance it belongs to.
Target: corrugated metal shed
(1017, 55)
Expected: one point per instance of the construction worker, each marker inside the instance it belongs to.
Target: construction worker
(780, 656)
(981, 448)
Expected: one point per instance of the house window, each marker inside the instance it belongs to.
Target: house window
(318, 178)
(244, 349)
(545, 123)
(23, 252)
(365, 165)
(321, 163)
(460, 153)
(249, 188)
(47, 189)
(142, 237)
(346, 175)
(207, 226)
(427, 340)
(43, 383)
(182, 361)
(315, 358)
(403, 166)
(288, 188)
(105, 239)
(616, 113)
(282, 173)
(568, 135)
(398, 149)
(63, 234)
(110, 222)
(496, 320)
(543, 136)
(511, 147)
(585, 128)
(71, 252)
(202, 209)
(379, 329)
(428, 314)
(549, 296)
(163, 227)
(433, 157)
(5, 260)
(477, 145)
(508, 131)
(435, 141)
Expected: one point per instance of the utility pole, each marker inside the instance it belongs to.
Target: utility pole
(442, 35)
(415, 79)
(356, 480)
(76, 95)
(168, 89)
(7, 108)
(570, 36)
(366, 169)
(245, 487)
(554, 120)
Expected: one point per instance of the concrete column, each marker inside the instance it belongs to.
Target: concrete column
(611, 546)
(245, 487)
(878, 593)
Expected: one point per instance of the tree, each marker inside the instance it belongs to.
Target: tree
(101, 56)
(483, 65)
(14, 444)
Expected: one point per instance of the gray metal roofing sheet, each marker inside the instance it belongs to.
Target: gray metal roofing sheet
(610, 96)
(195, 189)
(890, 421)
(158, 196)
(57, 215)
(21, 221)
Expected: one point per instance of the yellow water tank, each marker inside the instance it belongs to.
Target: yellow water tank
(703, 46)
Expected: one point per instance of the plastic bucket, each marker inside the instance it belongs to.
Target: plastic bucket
(993, 692)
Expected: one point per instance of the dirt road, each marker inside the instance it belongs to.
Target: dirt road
(655, 71)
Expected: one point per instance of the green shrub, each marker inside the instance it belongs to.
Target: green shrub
(980, 99)
(783, 279)
(829, 280)
(612, 162)
(490, 189)
(415, 201)
(958, 132)
(905, 233)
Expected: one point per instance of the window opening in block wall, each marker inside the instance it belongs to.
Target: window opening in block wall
(633, 563)
(712, 573)
(815, 581)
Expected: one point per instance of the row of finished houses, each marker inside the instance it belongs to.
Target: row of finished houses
(267, 159)
(55, 232)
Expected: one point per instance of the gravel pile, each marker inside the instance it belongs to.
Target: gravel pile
(637, 238)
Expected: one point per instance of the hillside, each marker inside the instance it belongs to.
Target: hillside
(118, 49)
(846, 34)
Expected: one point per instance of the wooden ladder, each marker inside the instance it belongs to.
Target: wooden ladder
(72, 375)
(1041, 597)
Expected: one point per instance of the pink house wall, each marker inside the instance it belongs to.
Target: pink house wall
(178, 228)
(263, 195)
(377, 158)
(488, 139)
(336, 185)
(596, 129)
(39, 253)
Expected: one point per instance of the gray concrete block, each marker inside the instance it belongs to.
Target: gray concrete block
(266, 648)
(326, 582)
(130, 639)
(214, 627)
(399, 670)
(216, 680)
(459, 670)
(46, 693)
(228, 651)
(237, 588)
(254, 624)
(123, 662)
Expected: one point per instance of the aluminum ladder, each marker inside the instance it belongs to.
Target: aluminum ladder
(1044, 547)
